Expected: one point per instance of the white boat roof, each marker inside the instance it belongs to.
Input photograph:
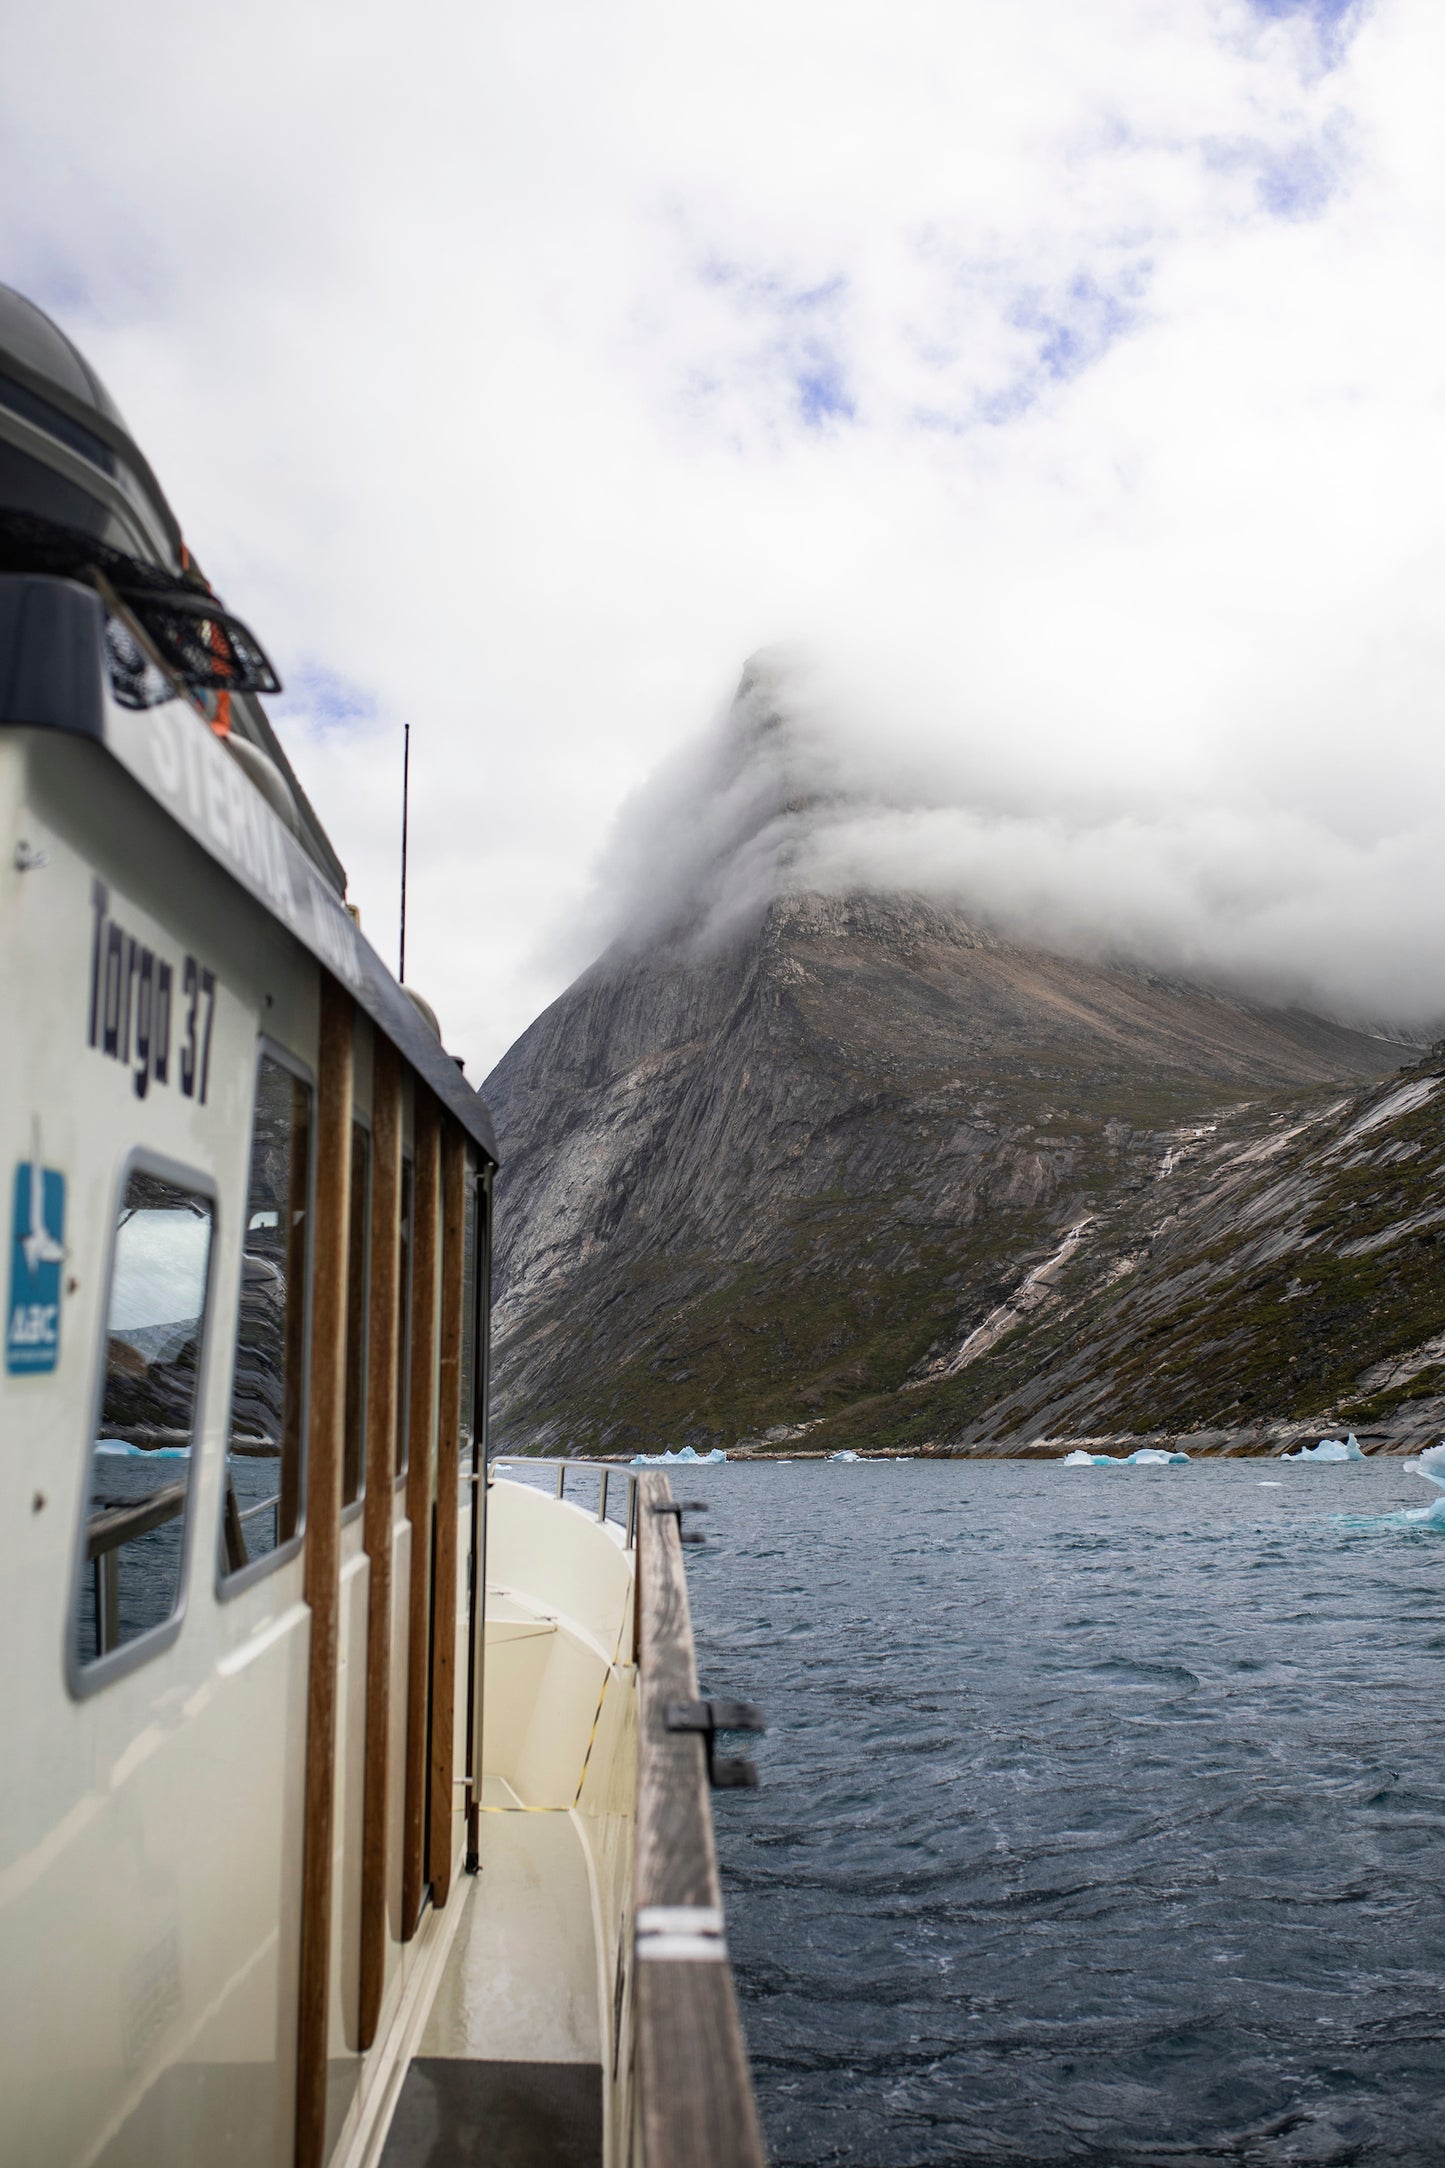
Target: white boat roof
(53, 677)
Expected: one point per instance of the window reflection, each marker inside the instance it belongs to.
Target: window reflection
(403, 1323)
(358, 1288)
(469, 1317)
(140, 1462)
(265, 1459)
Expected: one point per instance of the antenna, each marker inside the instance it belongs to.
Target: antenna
(405, 807)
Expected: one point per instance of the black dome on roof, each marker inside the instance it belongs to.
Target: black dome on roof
(28, 334)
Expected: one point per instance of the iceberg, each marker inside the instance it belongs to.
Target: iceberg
(668, 1459)
(843, 1456)
(142, 1452)
(1148, 1456)
(1330, 1449)
(1431, 1465)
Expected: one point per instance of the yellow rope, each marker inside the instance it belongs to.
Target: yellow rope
(592, 1735)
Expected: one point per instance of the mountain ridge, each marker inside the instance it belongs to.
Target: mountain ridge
(752, 1183)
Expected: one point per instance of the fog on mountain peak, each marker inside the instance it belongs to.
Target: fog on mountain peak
(810, 781)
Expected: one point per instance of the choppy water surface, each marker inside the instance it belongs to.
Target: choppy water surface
(1102, 1809)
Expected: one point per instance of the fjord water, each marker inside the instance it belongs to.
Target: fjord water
(1101, 1810)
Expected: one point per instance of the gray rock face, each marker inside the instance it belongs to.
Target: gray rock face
(1281, 1276)
(780, 1182)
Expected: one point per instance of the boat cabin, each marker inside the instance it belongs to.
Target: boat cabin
(319, 1820)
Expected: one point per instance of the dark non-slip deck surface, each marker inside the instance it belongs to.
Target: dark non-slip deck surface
(459, 2114)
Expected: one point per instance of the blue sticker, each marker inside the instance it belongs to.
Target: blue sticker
(37, 1250)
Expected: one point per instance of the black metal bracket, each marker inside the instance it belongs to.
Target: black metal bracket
(692, 1505)
(733, 1773)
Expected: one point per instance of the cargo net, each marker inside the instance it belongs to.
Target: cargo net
(166, 632)
(136, 681)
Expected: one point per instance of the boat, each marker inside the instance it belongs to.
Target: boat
(356, 1798)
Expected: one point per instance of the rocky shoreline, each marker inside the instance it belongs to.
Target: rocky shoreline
(1272, 1441)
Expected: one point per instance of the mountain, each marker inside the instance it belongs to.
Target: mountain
(853, 1169)
(1280, 1276)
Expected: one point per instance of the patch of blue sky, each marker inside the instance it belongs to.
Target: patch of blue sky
(1334, 22)
(822, 394)
(1009, 402)
(769, 292)
(121, 280)
(1326, 13)
(331, 703)
(792, 343)
(1078, 332)
(58, 287)
(1295, 181)
(1070, 328)
(1056, 332)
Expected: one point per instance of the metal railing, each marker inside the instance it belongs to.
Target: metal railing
(123, 1521)
(604, 1470)
(233, 1527)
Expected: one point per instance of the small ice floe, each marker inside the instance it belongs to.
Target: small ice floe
(843, 1456)
(1431, 1465)
(670, 1459)
(142, 1452)
(1271, 1486)
(1329, 1449)
(1148, 1456)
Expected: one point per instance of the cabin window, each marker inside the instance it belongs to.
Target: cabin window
(266, 1454)
(358, 1292)
(133, 1559)
(403, 1323)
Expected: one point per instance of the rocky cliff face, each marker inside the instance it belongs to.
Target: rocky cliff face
(861, 1173)
(1279, 1275)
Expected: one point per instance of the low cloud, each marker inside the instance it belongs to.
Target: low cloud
(1064, 379)
(802, 783)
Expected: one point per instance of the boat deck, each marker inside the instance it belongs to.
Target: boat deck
(508, 2070)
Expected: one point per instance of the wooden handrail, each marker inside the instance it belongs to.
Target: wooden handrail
(695, 2094)
(107, 1530)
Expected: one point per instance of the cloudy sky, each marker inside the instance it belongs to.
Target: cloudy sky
(1063, 380)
